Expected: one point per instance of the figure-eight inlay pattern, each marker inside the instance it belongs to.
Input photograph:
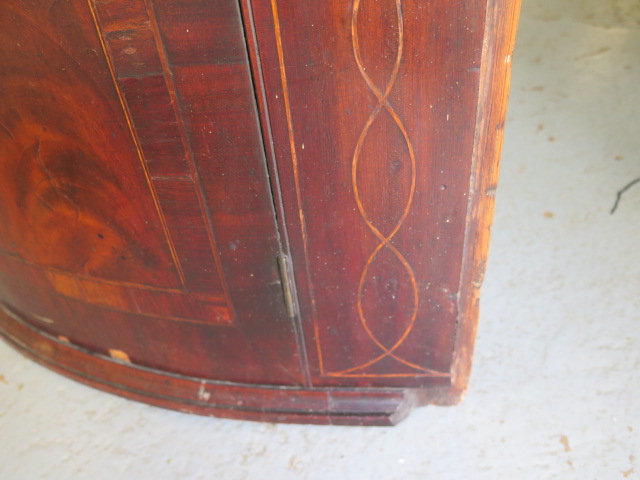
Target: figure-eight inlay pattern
(382, 95)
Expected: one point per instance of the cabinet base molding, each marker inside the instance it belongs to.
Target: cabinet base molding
(266, 403)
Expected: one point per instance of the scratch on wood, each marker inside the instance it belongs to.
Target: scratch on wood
(6, 130)
(42, 319)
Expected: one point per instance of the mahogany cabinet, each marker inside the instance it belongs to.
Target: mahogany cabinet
(261, 209)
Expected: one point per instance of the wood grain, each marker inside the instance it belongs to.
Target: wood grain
(339, 406)
(158, 159)
(136, 212)
(374, 127)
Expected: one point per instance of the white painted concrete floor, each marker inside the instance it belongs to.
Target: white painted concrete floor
(556, 386)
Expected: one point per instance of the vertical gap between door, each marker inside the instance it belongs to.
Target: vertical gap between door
(251, 44)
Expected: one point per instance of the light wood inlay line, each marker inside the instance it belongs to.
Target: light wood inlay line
(296, 175)
(134, 136)
(385, 241)
(168, 75)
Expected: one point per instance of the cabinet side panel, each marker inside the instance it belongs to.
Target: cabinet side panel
(502, 21)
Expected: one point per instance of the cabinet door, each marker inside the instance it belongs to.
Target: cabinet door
(374, 106)
(136, 216)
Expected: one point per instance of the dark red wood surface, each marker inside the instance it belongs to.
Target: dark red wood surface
(135, 209)
(373, 107)
(336, 406)
(158, 157)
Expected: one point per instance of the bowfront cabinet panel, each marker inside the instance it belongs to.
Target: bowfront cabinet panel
(261, 209)
(136, 210)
